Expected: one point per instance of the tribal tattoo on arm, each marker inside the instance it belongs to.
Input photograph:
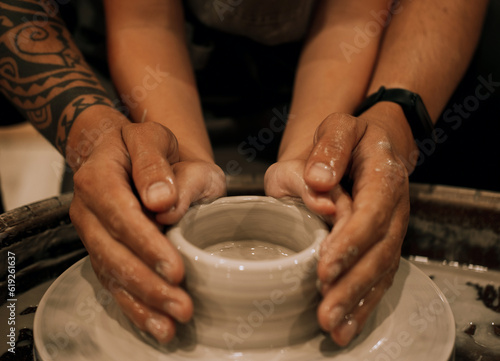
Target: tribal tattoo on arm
(41, 70)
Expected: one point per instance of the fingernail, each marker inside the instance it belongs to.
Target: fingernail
(348, 329)
(321, 172)
(336, 316)
(157, 328)
(174, 309)
(164, 269)
(333, 272)
(158, 192)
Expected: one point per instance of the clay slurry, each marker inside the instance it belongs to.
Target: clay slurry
(252, 249)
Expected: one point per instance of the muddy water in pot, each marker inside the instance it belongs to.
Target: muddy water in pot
(250, 249)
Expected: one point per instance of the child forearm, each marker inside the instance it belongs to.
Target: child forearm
(151, 67)
(335, 67)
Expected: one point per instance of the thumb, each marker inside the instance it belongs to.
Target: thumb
(335, 140)
(285, 179)
(152, 149)
(197, 181)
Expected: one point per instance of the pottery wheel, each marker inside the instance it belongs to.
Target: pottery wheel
(78, 320)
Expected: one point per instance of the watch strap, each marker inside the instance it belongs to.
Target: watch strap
(413, 107)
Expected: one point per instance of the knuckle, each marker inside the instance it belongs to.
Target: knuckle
(389, 279)
(144, 246)
(393, 269)
(349, 255)
(217, 182)
(82, 180)
(343, 118)
(161, 131)
(271, 179)
(394, 170)
(149, 249)
(378, 218)
(146, 137)
(394, 177)
(116, 224)
(337, 122)
(99, 269)
(74, 209)
(385, 259)
(397, 172)
(150, 164)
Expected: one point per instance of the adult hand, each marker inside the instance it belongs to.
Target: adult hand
(359, 258)
(129, 253)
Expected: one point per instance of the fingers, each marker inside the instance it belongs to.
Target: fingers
(380, 202)
(348, 302)
(335, 140)
(352, 323)
(360, 257)
(130, 256)
(358, 261)
(165, 185)
(285, 179)
(161, 327)
(196, 182)
(115, 262)
(107, 194)
(340, 298)
(152, 149)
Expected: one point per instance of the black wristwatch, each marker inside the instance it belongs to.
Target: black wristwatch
(413, 107)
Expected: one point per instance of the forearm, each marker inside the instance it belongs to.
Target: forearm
(152, 71)
(428, 47)
(334, 69)
(43, 73)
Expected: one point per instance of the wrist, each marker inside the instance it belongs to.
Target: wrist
(390, 117)
(188, 154)
(89, 129)
(298, 148)
(194, 146)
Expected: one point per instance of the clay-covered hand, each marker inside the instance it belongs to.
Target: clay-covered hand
(360, 256)
(132, 181)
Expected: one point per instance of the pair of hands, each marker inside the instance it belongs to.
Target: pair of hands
(118, 210)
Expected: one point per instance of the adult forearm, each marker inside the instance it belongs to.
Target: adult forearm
(428, 47)
(43, 73)
(335, 67)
